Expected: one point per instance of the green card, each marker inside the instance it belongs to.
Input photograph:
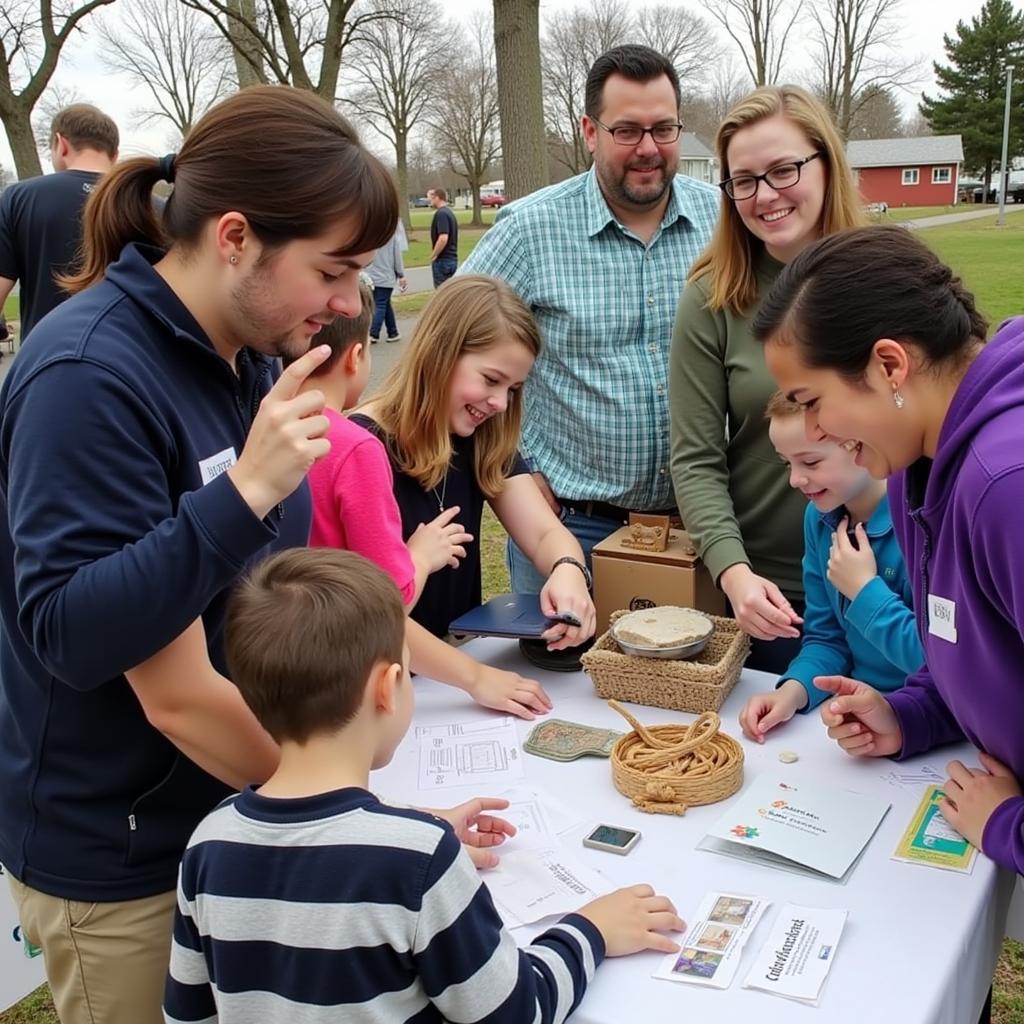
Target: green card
(930, 839)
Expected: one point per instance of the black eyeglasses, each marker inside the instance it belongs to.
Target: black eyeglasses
(781, 176)
(632, 134)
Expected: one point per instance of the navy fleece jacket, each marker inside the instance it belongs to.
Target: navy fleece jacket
(119, 528)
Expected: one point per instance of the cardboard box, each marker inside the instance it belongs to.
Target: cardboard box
(630, 578)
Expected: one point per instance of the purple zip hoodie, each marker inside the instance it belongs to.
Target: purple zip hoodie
(958, 521)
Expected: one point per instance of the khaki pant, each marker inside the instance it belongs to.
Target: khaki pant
(106, 962)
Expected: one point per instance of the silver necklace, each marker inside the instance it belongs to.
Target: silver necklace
(440, 498)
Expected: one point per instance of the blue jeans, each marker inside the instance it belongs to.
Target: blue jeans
(383, 313)
(588, 530)
(442, 269)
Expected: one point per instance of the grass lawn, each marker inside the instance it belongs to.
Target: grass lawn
(989, 259)
(12, 307)
(899, 213)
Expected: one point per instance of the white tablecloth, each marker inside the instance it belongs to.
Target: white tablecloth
(920, 943)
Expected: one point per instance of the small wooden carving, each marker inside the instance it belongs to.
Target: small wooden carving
(647, 533)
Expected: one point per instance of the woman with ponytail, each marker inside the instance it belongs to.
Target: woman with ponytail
(151, 449)
(884, 348)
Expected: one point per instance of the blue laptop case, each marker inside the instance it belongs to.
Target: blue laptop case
(508, 615)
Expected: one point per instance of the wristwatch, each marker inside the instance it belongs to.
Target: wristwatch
(568, 559)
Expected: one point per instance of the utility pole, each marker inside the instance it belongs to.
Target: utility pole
(1003, 170)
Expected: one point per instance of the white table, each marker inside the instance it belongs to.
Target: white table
(919, 946)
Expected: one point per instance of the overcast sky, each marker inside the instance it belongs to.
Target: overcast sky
(921, 24)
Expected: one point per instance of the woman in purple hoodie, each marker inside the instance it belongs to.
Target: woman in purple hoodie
(885, 350)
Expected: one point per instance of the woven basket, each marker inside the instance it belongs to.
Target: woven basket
(664, 769)
(696, 684)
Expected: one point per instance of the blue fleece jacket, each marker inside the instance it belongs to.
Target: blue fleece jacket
(958, 520)
(873, 637)
(122, 528)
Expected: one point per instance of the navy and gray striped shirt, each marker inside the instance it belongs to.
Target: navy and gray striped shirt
(337, 907)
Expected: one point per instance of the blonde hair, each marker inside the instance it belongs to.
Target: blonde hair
(780, 407)
(731, 256)
(470, 313)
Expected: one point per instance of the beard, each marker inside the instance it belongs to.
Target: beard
(641, 197)
(262, 322)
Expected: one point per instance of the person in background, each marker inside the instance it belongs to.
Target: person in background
(385, 272)
(308, 896)
(150, 449)
(858, 620)
(444, 238)
(786, 184)
(41, 218)
(885, 350)
(600, 260)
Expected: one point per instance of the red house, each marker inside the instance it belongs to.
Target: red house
(908, 172)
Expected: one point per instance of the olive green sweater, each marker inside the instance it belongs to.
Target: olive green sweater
(732, 488)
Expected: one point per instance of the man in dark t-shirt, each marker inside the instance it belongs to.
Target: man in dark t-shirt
(41, 218)
(444, 237)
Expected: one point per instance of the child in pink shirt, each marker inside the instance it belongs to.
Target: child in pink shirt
(354, 508)
(352, 487)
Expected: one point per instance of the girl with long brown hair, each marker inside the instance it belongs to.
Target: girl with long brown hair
(449, 415)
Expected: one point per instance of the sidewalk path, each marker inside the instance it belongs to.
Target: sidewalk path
(955, 218)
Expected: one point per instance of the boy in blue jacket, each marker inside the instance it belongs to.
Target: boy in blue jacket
(859, 619)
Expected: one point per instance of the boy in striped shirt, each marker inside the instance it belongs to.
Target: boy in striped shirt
(308, 899)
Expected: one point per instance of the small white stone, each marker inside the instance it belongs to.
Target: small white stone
(788, 757)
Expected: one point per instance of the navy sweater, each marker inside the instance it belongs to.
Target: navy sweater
(117, 532)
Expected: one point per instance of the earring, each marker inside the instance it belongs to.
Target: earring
(232, 259)
(898, 398)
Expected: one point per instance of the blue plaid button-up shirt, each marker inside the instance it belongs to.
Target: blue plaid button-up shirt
(596, 421)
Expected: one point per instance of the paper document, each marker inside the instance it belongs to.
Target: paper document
(913, 776)
(528, 885)
(539, 819)
(483, 753)
(711, 948)
(798, 953)
(930, 839)
(799, 826)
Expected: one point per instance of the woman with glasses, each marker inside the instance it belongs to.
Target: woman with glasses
(786, 184)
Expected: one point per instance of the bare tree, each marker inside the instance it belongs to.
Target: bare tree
(856, 54)
(396, 72)
(282, 39)
(464, 115)
(760, 29)
(168, 53)
(878, 115)
(32, 35)
(520, 95)
(573, 40)
(704, 111)
(686, 39)
(245, 47)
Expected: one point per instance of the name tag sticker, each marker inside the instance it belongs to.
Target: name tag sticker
(212, 467)
(942, 618)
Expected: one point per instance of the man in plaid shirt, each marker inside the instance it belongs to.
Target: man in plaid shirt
(601, 259)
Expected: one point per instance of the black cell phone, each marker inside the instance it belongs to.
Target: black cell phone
(851, 533)
(568, 618)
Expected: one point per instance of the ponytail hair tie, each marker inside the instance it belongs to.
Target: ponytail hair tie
(166, 164)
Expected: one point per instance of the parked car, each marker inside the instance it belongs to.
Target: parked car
(420, 201)
(493, 199)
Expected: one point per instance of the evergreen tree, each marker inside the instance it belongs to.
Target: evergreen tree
(974, 84)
